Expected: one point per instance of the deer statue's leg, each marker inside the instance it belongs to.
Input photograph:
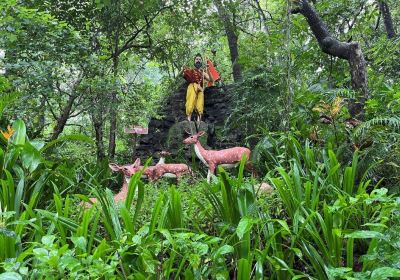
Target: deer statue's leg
(157, 175)
(211, 171)
(178, 177)
(151, 177)
(208, 176)
(249, 167)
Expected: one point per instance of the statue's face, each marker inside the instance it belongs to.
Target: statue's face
(198, 62)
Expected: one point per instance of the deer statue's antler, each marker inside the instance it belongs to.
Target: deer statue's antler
(187, 132)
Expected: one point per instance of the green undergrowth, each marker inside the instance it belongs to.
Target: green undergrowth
(324, 219)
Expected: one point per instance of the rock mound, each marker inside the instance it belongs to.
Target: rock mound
(168, 132)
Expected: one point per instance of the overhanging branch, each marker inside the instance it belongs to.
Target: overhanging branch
(350, 51)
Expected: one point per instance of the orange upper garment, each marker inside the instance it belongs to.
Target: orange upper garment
(193, 76)
(214, 75)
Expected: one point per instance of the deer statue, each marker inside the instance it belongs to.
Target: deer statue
(127, 171)
(211, 158)
(163, 154)
(154, 173)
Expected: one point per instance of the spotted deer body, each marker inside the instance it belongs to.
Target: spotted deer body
(154, 173)
(213, 158)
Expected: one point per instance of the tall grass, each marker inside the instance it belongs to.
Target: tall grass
(325, 220)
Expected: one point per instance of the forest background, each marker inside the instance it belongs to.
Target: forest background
(315, 91)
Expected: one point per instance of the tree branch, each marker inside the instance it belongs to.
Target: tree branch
(326, 41)
(50, 107)
(38, 131)
(244, 31)
(387, 18)
(128, 44)
(350, 51)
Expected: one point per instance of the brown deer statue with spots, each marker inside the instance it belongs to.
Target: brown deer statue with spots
(226, 158)
(121, 196)
(155, 172)
(152, 173)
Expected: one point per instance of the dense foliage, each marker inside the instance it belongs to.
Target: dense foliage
(325, 204)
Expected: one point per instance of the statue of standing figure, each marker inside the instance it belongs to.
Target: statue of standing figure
(196, 78)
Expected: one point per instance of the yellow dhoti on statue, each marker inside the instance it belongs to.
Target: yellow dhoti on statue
(194, 99)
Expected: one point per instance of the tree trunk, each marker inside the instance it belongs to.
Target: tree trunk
(262, 16)
(42, 113)
(387, 19)
(98, 129)
(230, 32)
(113, 125)
(113, 114)
(233, 48)
(359, 80)
(39, 127)
(350, 51)
(63, 118)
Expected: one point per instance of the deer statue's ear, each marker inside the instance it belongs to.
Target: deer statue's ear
(201, 133)
(114, 167)
(137, 162)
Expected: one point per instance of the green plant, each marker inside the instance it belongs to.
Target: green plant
(327, 209)
(52, 260)
(24, 176)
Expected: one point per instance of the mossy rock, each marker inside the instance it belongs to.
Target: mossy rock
(176, 135)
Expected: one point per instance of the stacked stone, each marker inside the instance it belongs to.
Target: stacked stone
(168, 132)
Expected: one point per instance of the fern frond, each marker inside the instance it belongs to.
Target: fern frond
(392, 122)
(7, 99)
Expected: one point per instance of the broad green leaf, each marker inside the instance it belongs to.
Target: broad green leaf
(20, 133)
(364, 234)
(40, 252)
(384, 273)
(10, 276)
(31, 157)
(69, 262)
(194, 260)
(101, 250)
(200, 248)
(244, 269)
(48, 240)
(225, 249)
(79, 242)
(244, 226)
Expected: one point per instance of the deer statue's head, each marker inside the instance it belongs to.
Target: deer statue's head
(193, 139)
(128, 169)
(164, 153)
